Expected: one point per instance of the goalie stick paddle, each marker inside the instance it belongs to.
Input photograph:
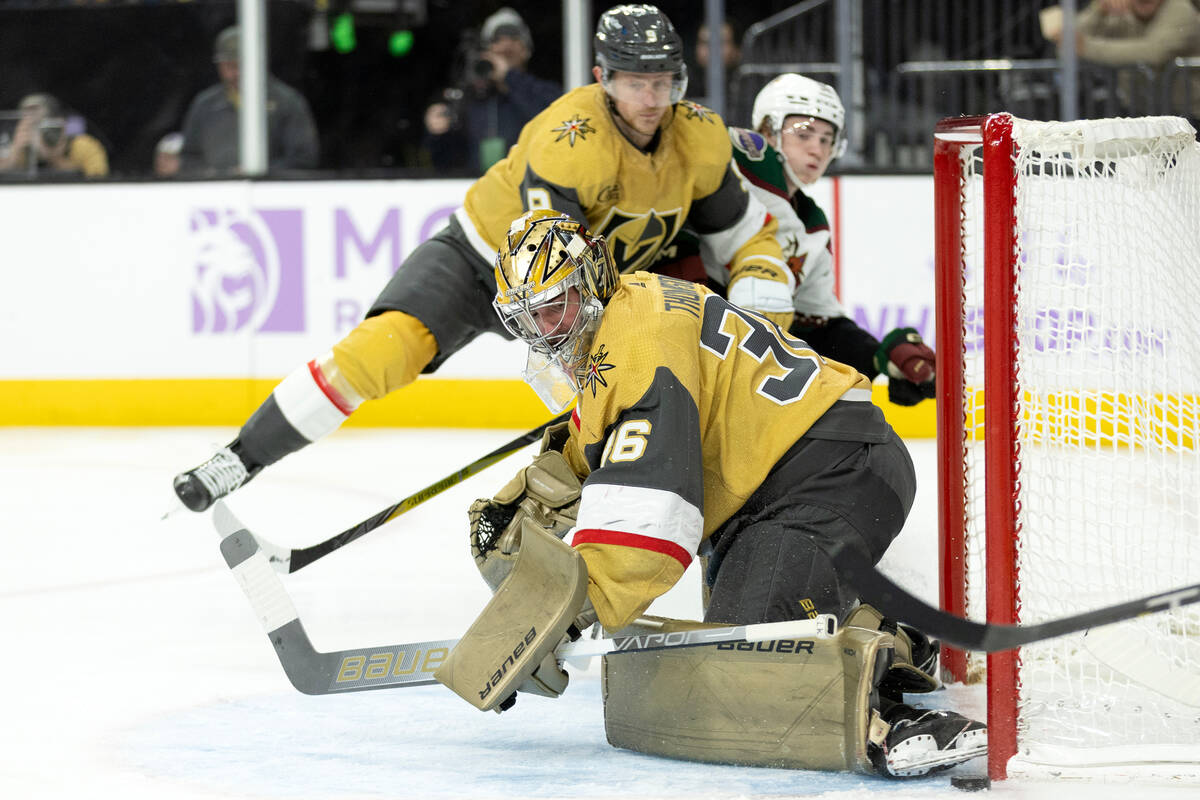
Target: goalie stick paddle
(413, 664)
(288, 560)
(876, 588)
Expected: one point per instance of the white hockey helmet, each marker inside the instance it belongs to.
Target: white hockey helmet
(789, 94)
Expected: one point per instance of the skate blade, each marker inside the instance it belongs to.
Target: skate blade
(174, 509)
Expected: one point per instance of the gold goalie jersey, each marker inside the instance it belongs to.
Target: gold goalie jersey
(687, 403)
(572, 158)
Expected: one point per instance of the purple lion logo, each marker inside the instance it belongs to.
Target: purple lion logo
(249, 270)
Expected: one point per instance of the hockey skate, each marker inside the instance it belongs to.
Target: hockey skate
(202, 486)
(921, 742)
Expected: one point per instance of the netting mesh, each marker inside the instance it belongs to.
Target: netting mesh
(1107, 372)
(488, 521)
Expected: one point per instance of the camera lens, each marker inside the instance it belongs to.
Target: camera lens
(482, 68)
(52, 135)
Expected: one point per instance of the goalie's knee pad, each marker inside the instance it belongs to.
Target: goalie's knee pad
(801, 704)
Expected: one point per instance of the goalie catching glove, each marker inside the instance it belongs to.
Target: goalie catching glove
(539, 587)
(546, 493)
(909, 364)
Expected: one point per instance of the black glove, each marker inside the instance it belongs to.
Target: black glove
(909, 364)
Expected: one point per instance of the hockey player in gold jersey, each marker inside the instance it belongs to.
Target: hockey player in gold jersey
(627, 156)
(698, 423)
(698, 427)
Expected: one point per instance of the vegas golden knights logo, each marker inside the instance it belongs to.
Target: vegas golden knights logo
(636, 240)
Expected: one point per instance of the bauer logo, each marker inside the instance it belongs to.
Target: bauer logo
(248, 270)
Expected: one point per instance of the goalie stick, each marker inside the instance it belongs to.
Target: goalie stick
(413, 664)
(876, 588)
(289, 560)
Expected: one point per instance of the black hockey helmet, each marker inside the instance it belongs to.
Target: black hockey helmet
(638, 38)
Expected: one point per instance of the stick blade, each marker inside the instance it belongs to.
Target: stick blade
(225, 521)
(227, 524)
(1130, 651)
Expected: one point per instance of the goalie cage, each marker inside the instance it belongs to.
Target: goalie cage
(1068, 294)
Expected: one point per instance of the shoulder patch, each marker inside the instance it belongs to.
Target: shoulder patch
(750, 144)
(693, 110)
(597, 365)
(577, 126)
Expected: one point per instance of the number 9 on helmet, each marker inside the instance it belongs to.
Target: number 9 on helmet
(639, 38)
(552, 282)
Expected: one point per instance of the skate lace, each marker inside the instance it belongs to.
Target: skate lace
(901, 724)
(222, 473)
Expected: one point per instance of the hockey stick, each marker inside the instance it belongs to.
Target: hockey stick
(1131, 653)
(413, 664)
(288, 560)
(875, 588)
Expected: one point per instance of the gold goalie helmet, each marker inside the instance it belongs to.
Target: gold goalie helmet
(552, 281)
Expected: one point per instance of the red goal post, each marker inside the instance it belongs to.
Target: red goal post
(1068, 295)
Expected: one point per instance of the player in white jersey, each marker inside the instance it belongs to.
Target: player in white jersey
(799, 126)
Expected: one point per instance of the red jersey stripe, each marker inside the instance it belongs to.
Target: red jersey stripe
(667, 548)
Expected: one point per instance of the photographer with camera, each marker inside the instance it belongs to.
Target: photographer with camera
(46, 141)
(480, 117)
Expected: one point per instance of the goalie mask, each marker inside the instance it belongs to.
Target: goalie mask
(795, 95)
(639, 39)
(552, 281)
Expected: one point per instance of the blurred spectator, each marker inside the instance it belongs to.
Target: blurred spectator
(482, 116)
(47, 140)
(444, 147)
(210, 127)
(167, 155)
(731, 57)
(1119, 33)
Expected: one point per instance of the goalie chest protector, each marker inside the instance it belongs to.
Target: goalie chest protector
(795, 704)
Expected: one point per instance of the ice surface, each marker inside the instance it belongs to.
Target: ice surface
(133, 667)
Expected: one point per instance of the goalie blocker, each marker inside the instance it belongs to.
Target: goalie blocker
(511, 644)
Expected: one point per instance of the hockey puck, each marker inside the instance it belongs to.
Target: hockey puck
(971, 783)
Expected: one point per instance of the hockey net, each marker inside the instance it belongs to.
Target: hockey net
(1068, 262)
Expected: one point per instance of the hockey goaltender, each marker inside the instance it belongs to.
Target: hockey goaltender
(699, 428)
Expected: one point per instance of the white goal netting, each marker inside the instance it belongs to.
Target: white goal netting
(1107, 424)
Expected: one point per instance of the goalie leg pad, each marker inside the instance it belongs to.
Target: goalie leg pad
(519, 629)
(797, 704)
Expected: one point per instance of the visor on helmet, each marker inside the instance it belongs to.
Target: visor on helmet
(650, 88)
